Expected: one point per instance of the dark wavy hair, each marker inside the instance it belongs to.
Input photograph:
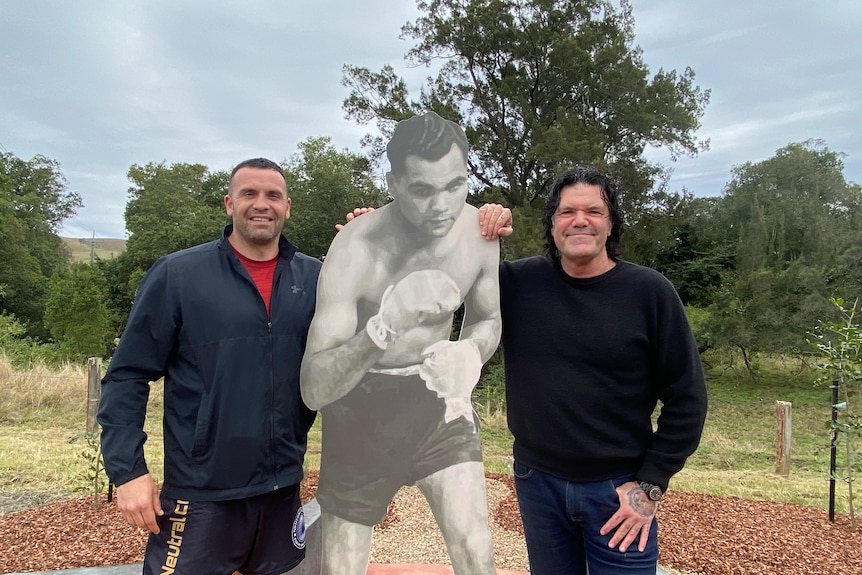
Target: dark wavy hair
(610, 195)
(259, 163)
(428, 136)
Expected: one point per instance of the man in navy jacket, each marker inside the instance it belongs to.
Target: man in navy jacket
(225, 323)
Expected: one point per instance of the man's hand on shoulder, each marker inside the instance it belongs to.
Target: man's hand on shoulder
(495, 221)
(353, 215)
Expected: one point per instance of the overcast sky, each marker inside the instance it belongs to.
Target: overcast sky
(100, 85)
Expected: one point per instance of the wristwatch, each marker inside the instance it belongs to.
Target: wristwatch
(654, 492)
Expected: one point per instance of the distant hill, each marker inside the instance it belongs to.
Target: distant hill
(105, 248)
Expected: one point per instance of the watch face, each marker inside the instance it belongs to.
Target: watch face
(654, 492)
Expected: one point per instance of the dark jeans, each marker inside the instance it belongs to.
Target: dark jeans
(562, 520)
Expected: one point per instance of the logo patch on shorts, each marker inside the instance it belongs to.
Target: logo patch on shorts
(298, 534)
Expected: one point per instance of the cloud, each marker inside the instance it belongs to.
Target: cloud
(102, 85)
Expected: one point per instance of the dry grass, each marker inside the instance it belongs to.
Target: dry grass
(41, 409)
(41, 395)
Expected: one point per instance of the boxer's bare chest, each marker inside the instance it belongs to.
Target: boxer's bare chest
(448, 257)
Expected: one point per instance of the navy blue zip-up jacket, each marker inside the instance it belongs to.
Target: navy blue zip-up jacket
(234, 422)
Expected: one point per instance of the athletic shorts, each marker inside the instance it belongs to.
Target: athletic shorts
(387, 432)
(261, 535)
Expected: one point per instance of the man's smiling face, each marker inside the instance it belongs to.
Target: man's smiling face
(258, 204)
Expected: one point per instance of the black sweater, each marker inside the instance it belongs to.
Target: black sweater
(586, 362)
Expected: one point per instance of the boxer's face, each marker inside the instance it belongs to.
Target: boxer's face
(431, 194)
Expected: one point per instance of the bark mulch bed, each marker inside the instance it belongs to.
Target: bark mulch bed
(700, 534)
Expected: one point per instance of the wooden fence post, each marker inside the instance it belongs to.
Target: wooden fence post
(94, 392)
(783, 437)
(94, 395)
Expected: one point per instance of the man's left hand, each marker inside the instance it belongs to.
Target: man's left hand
(352, 216)
(495, 221)
(632, 520)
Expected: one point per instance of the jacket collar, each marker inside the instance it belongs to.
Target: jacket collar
(286, 250)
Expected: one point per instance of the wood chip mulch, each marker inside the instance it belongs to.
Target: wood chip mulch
(698, 534)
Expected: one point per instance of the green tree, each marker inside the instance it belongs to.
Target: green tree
(37, 191)
(34, 202)
(795, 204)
(20, 273)
(840, 361)
(653, 227)
(529, 237)
(538, 85)
(171, 208)
(76, 312)
(324, 184)
(695, 262)
(10, 328)
(121, 277)
(793, 223)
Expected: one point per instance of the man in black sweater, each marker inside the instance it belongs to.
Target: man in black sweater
(591, 345)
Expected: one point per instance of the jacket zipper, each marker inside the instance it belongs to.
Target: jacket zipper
(272, 423)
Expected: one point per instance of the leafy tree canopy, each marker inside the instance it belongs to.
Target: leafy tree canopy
(793, 225)
(674, 244)
(171, 208)
(538, 85)
(21, 278)
(36, 191)
(34, 202)
(76, 312)
(795, 204)
(324, 184)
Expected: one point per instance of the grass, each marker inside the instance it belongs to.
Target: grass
(41, 409)
(737, 453)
